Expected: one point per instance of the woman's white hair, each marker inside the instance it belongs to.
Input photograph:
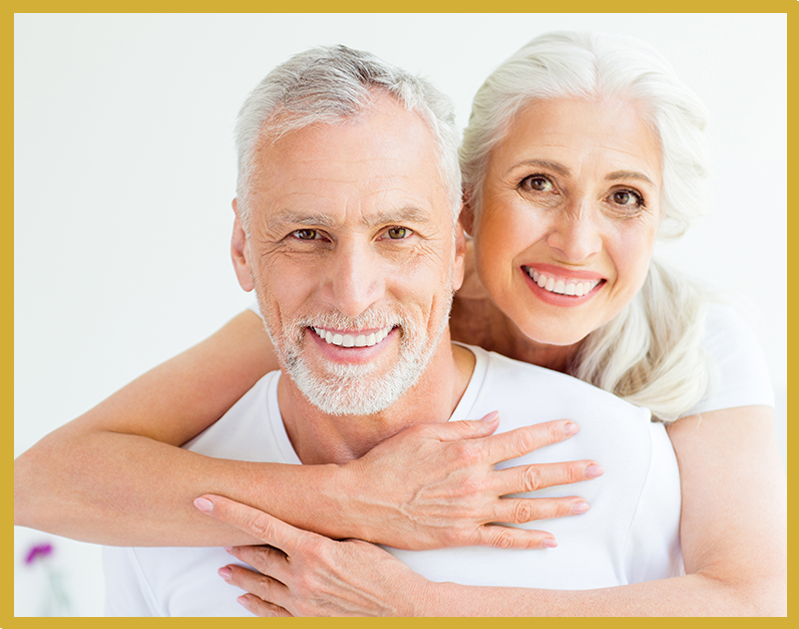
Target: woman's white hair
(332, 84)
(651, 353)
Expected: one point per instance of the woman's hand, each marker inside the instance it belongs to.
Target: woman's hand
(305, 574)
(435, 486)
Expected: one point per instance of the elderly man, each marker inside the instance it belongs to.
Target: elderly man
(346, 227)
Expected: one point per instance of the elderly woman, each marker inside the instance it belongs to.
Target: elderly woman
(580, 151)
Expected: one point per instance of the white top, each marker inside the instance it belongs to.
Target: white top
(631, 533)
(739, 373)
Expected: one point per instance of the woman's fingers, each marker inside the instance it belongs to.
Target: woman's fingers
(520, 510)
(523, 478)
(463, 429)
(265, 594)
(496, 536)
(261, 525)
(261, 608)
(515, 443)
(267, 560)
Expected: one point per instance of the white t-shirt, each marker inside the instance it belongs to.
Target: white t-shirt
(631, 533)
(739, 373)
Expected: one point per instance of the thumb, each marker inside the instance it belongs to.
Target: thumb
(467, 429)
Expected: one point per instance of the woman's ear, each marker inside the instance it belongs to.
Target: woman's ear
(239, 253)
(467, 213)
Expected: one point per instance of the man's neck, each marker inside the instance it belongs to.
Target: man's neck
(321, 438)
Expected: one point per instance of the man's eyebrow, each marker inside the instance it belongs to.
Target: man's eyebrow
(398, 216)
(629, 174)
(295, 217)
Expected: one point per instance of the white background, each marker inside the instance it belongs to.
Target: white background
(125, 169)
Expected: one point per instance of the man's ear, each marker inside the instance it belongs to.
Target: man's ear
(239, 252)
(460, 258)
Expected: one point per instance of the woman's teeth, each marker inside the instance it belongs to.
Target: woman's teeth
(578, 289)
(350, 340)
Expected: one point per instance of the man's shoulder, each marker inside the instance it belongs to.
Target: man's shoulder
(524, 392)
(509, 373)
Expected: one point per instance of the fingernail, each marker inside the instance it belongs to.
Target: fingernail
(204, 505)
(579, 507)
(244, 601)
(593, 470)
(492, 416)
(549, 542)
(225, 573)
(571, 429)
(228, 549)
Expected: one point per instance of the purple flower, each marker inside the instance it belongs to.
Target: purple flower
(42, 550)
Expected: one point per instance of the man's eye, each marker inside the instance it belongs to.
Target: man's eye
(627, 198)
(306, 234)
(398, 233)
(537, 183)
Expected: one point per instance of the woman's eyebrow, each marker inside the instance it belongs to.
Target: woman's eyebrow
(543, 163)
(629, 174)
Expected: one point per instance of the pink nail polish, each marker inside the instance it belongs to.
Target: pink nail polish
(225, 573)
(571, 429)
(593, 471)
(204, 505)
(243, 601)
(549, 543)
(579, 507)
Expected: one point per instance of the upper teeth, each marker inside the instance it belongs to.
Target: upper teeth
(350, 340)
(578, 289)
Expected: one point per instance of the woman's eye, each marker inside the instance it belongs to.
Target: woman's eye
(538, 183)
(306, 234)
(627, 198)
(398, 233)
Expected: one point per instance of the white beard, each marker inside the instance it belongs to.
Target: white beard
(356, 389)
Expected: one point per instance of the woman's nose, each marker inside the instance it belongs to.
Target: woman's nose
(576, 234)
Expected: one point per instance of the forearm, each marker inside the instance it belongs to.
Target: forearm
(121, 489)
(691, 595)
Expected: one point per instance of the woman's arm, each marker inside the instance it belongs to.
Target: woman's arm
(734, 541)
(116, 476)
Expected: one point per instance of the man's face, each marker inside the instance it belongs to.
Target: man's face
(352, 256)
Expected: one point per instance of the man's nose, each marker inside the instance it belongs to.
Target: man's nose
(356, 278)
(576, 232)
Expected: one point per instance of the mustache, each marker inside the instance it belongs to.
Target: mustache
(370, 319)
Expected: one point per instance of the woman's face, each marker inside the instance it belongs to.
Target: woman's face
(571, 207)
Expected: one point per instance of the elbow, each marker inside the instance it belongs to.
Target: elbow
(22, 516)
(30, 499)
(755, 595)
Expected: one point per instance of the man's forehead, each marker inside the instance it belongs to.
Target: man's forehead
(381, 166)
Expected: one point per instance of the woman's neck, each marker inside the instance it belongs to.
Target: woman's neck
(476, 320)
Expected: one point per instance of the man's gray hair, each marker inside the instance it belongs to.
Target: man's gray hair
(330, 84)
(596, 65)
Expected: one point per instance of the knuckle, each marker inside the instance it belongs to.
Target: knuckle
(467, 451)
(525, 440)
(575, 472)
(533, 478)
(502, 538)
(260, 526)
(523, 512)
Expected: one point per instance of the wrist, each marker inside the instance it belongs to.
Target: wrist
(428, 599)
(339, 488)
